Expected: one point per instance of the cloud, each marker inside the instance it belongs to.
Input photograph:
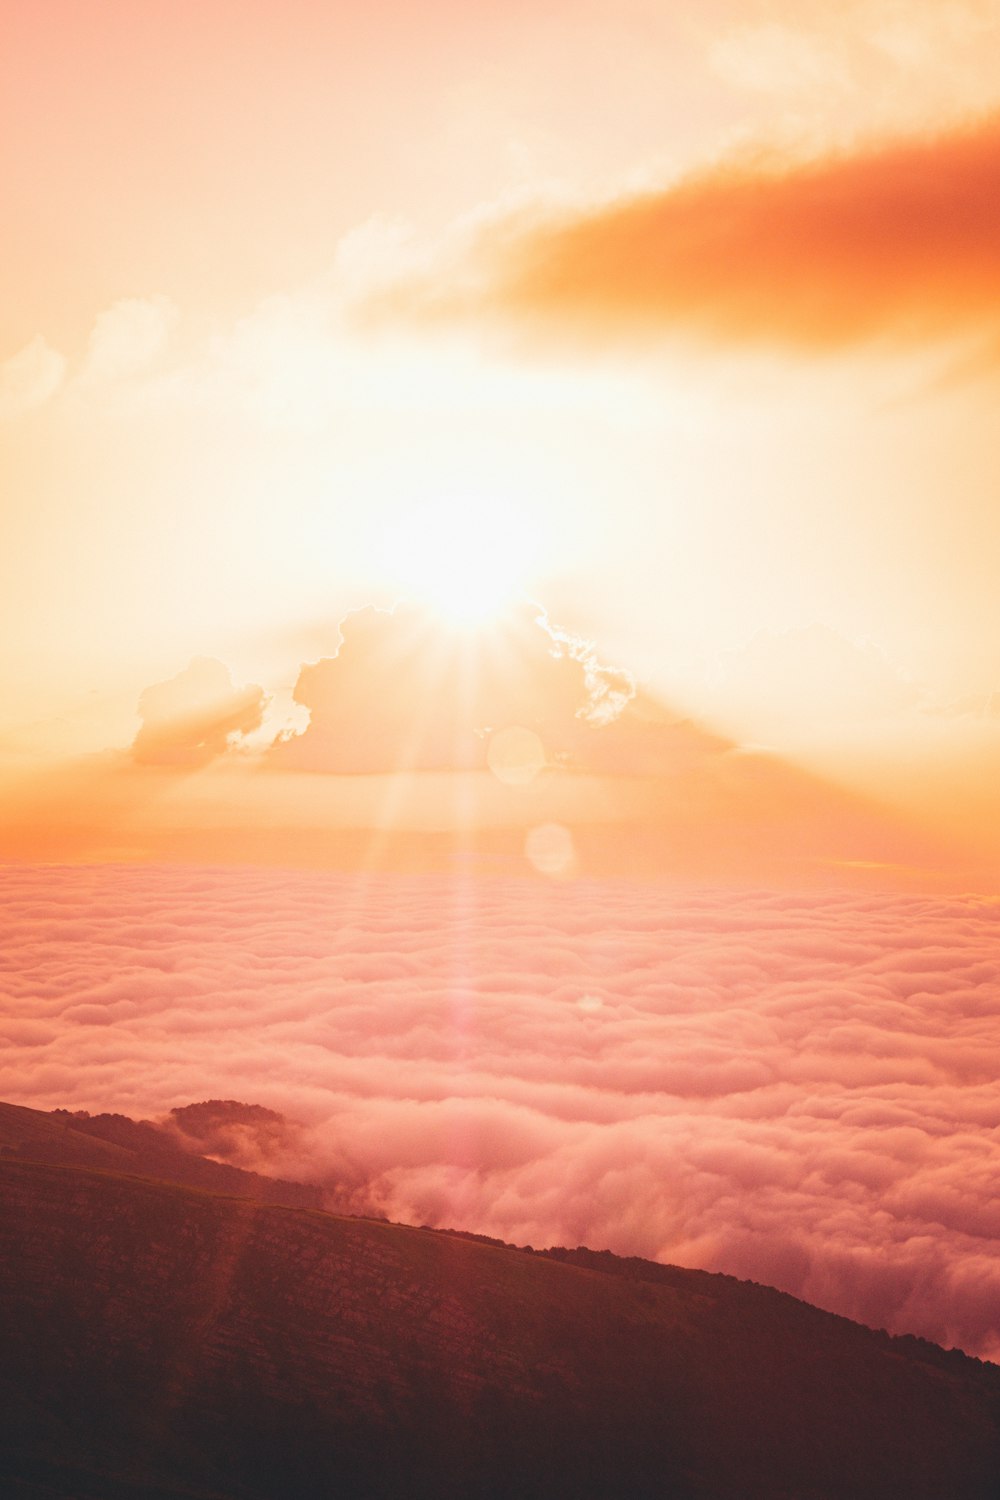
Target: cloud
(194, 717)
(125, 340)
(920, 60)
(225, 1128)
(796, 1088)
(29, 378)
(405, 691)
(900, 241)
(774, 57)
(128, 336)
(546, 759)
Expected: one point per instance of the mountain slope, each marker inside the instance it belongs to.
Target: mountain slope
(120, 1144)
(165, 1342)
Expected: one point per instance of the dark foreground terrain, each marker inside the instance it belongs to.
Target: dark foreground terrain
(143, 1149)
(161, 1341)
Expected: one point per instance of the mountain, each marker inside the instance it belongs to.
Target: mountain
(120, 1144)
(164, 1342)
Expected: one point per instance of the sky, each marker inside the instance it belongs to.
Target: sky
(460, 457)
(681, 326)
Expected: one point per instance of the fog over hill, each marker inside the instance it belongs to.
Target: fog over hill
(164, 1151)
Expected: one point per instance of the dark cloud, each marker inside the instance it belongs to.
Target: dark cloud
(194, 717)
(798, 1088)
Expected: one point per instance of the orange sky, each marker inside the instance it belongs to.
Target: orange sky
(546, 449)
(681, 324)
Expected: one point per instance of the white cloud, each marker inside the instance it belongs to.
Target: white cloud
(128, 336)
(29, 378)
(775, 58)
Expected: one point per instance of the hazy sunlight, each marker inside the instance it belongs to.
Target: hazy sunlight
(461, 558)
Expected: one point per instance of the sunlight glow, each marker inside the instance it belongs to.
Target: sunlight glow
(462, 558)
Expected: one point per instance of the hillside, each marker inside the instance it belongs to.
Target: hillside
(120, 1144)
(164, 1342)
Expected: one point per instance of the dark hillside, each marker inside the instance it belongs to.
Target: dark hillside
(159, 1341)
(137, 1146)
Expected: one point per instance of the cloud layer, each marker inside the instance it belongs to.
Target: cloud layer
(797, 1089)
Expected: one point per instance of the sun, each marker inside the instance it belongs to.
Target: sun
(472, 600)
(464, 560)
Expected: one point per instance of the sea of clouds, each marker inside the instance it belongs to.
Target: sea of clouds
(799, 1089)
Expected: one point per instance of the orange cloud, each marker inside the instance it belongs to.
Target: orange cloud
(476, 716)
(193, 717)
(901, 240)
(405, 692)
